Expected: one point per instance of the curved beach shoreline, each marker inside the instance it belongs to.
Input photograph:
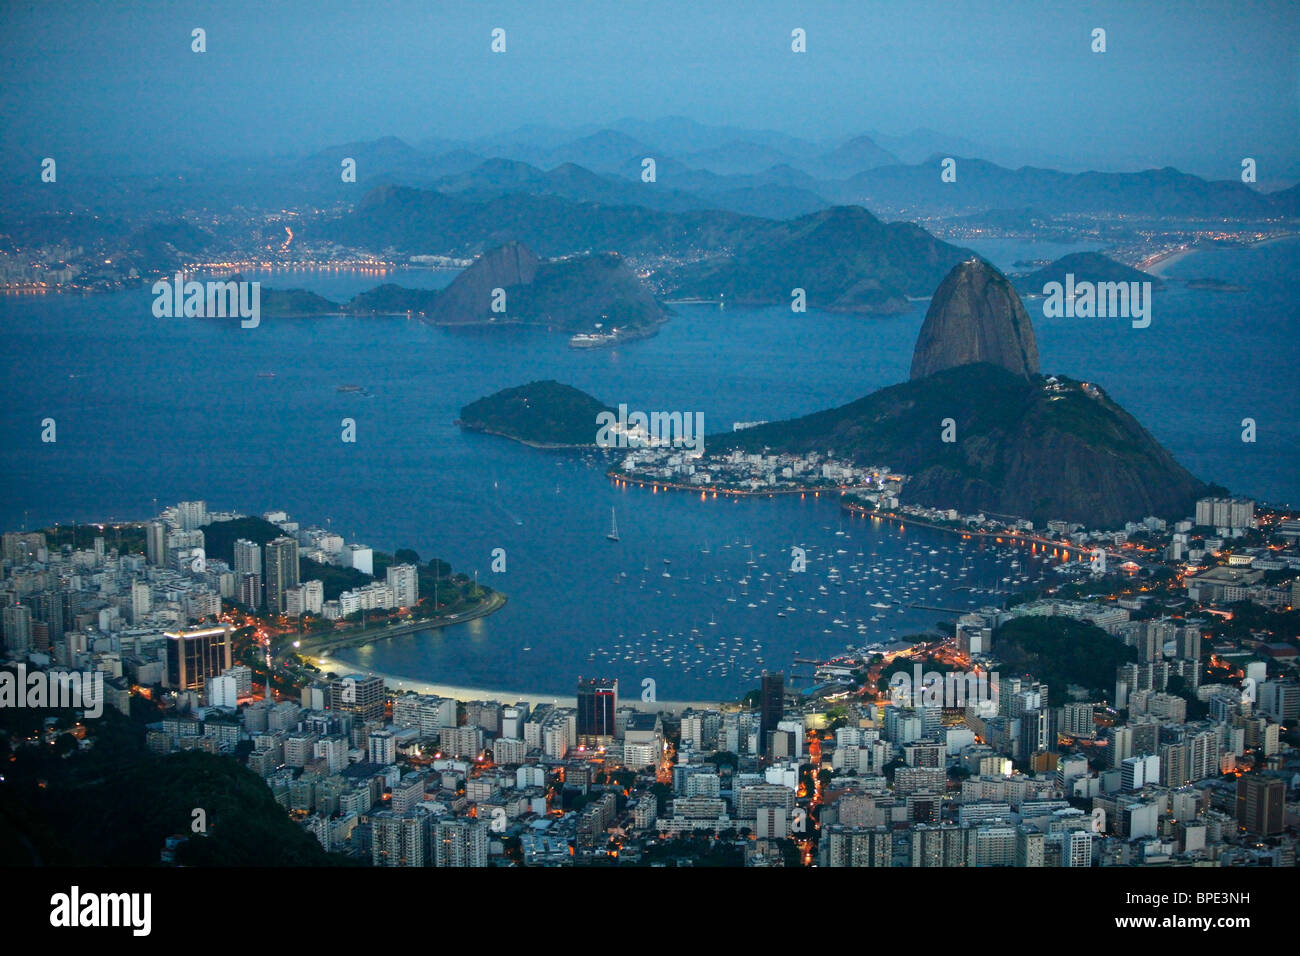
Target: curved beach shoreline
(403, 683)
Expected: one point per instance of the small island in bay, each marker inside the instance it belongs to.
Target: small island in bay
(544, 414)
(596, 299)
(1213, 285)
(296, 304)
(1085, 267)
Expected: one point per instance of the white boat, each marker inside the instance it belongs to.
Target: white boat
(613, 527)
(591, 340)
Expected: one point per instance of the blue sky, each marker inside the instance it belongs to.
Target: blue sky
(1197, 85)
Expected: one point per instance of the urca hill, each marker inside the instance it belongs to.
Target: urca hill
(1019, 443)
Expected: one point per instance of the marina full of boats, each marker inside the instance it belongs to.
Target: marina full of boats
(757, 612)
(699, 596)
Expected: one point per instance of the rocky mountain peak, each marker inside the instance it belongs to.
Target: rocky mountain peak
(975, 316)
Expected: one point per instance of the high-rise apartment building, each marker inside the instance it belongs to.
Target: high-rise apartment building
(1260, 804)
(771, 704)
(249, 590)
(248, 557)
(193, 655)
(360, 695)
(192, 514)
(281, 572)
(156, 543)
(597, 706)
(18, 629)
(1226, 512)
(399, 839)
(461, 843)
(403, 580)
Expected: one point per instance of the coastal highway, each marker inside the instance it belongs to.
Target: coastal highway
(1012, 537)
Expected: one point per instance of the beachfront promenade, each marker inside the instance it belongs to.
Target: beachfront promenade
(323, 643)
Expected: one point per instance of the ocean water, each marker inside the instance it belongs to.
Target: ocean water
(165, 409)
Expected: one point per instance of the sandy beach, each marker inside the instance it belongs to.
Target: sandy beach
(402, 684)
(1166, 260)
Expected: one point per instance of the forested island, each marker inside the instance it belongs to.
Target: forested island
(544, 414)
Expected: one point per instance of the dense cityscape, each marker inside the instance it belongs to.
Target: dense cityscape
(1179, 754)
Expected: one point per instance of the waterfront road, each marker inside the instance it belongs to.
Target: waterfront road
(319, 645)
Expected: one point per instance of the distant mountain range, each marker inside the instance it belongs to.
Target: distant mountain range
(755, 172)
(981, 185)
(844, 258)
(856, 172)
(159, 244)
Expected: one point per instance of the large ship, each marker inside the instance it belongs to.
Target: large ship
(591, 340)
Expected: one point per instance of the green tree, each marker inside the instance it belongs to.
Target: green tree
(723, 758)
(662, 794)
